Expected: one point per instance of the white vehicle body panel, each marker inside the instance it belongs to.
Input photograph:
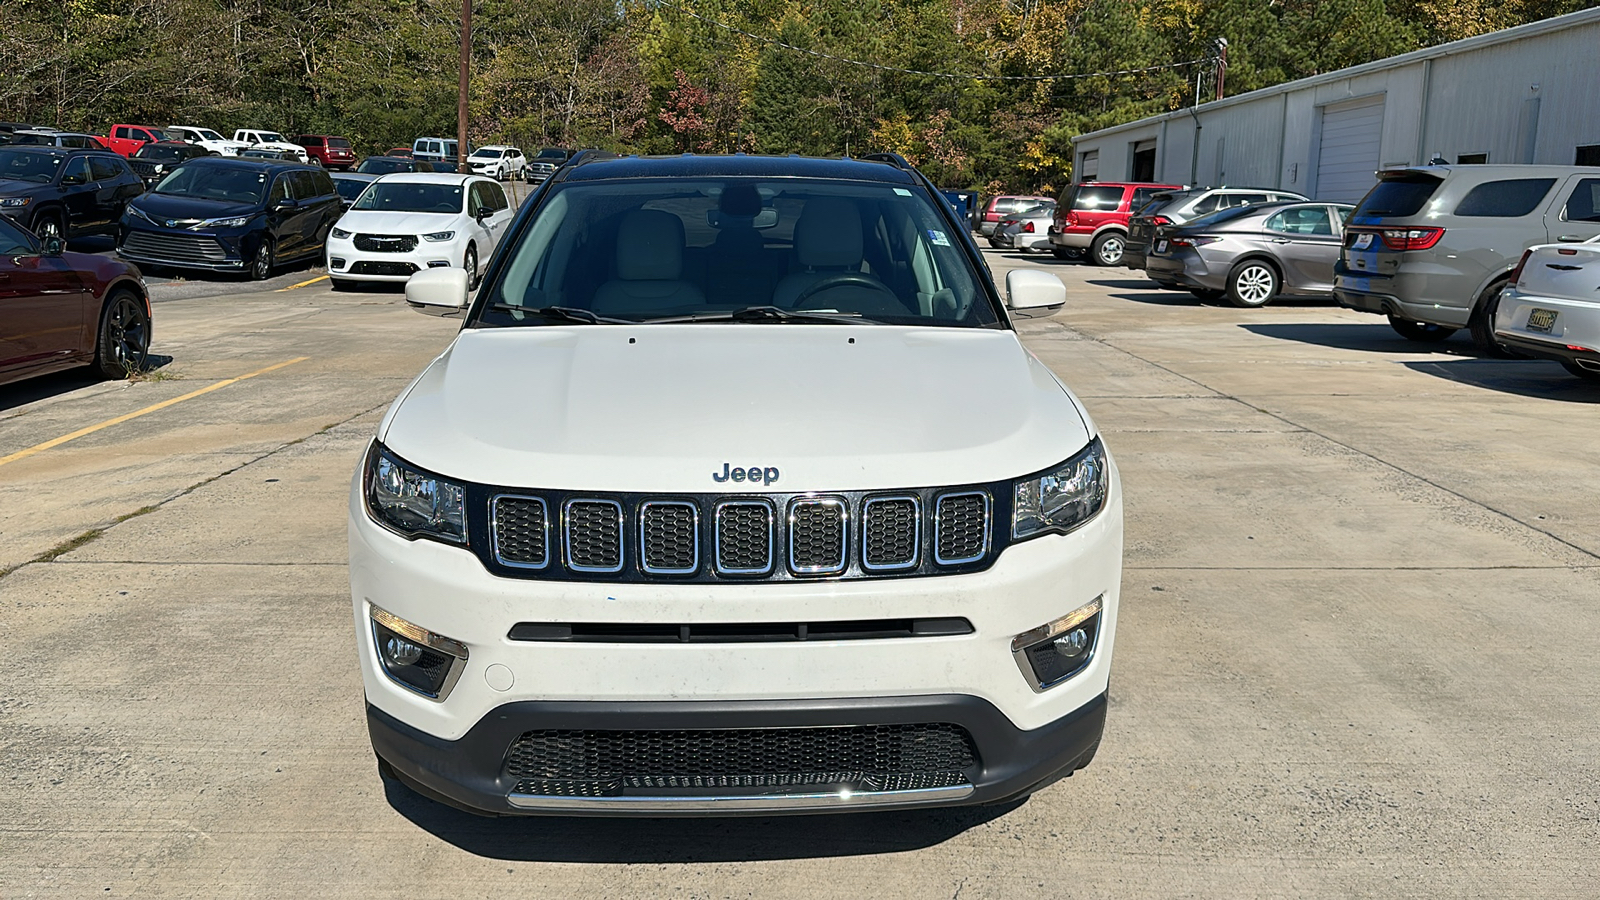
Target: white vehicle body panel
(191, 134)
(254, 139)
(1558, 278)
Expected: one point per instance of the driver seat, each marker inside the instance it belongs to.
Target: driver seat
(827, 241)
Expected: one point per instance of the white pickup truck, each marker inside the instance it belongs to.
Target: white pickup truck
(736, 493)
(270, 140)
(205, 137)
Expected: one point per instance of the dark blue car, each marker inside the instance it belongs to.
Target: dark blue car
(231, 215)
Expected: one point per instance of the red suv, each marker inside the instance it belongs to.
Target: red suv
(332, 152)
(1094, 216)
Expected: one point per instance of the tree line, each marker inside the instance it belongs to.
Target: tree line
(669, 76)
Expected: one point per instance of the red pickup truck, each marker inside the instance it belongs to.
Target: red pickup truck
(127, 139)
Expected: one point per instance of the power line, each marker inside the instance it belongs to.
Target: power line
(904, 71)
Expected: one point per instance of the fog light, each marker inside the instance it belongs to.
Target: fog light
(1058, 650)
(337, 262)
(416, 658)
(438, 263)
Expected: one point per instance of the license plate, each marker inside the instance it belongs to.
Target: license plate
(1541, 320)
(1362, 242)
(1161, 246)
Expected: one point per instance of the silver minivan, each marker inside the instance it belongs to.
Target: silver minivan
(1431, 247)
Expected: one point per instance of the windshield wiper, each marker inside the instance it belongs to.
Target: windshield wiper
(772, 314)
(563, 314)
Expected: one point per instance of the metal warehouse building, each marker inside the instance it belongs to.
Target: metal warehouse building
(1529, 94)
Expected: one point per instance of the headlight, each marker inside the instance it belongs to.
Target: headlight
(232, 222)
(136, 211)
(15, 202)
(414, 503)
(439, 236)
(340, 233)
(1064, 497)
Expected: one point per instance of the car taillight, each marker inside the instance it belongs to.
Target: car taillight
(1193, 241)
(1028, 227)
(1069, 219)
(1516, 274)
(1160, 220)
(1410, 238)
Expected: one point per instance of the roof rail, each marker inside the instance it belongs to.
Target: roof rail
(578, 159)
(893, 159)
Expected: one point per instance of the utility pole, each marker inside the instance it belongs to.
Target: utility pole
(1222, 63)
(466, 74)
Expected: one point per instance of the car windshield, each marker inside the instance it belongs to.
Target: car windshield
(489, 154)
(270, 137)
(738, 249)
(155, 151)
(207, 134)
(412, 196)
(229, 183)
(22, 166)
(551, 154)
(383, 165)
(350, 188)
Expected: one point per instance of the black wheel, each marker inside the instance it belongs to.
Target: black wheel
(1421, 332)
(470, 263)
(1580, 371)
(1481, 322)
(123, 341)
(261, 263)
(1206, 295)
(1252, 283)
(49, 224)
(1107, 248)
(1068, 254)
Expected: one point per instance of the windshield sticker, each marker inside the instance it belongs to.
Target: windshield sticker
(902, 192)
(939, 238)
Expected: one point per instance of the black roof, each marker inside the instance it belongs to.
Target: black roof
(693, 165)
(255, 165)
(53, 150)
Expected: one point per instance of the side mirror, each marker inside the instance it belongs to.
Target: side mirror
(1032, 294)
(438, 292)
(52, 246)
(73, 180)
(286, 205)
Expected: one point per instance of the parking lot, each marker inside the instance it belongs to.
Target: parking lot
(1356, 657)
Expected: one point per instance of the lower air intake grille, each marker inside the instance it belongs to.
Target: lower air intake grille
(607, 763)
(178, 248)
(521, 532)
(961, 528)
(744, 538)
(594, 535)
(380, 267)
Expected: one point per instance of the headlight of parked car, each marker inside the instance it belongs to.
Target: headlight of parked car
(15, 202)
(340, 233)
(412, 502)
(1064, 497)
(439, 236)
(230, 222)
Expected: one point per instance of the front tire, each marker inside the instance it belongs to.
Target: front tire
(1107, 249)
(49, 224)
(469, 261)
(261, 263)
(1252, 283)
(1481, 322)
(1066, 254)
(123, 342)
(1421, 332)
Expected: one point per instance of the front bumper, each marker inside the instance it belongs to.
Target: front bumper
(344, 261)
(184, 249)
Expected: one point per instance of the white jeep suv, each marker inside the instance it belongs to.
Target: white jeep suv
(736, 492)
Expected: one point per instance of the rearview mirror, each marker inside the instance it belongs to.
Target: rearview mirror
(438, 292)
(767, 218)
(1031, 293)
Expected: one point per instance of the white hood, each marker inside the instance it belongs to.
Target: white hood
(663, 407)
(380, 222)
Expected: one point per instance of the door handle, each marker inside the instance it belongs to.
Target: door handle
(1277, 240)
(1570, 239)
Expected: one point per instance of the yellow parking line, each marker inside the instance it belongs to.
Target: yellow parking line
(301, 284)
(56, 442)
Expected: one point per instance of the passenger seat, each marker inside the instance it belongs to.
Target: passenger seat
(649, 278)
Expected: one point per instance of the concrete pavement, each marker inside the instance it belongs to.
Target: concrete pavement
(1356, 654)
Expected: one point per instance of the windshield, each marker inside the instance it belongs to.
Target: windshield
(21, 166)
(799, 249)
(207, 134)
(270, 137)
(154, 151)
(227, 183)
(489, 154)
(383, 165)
(412, 196)
(350, 188)
(552, 154)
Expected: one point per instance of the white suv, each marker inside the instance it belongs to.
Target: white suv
(736, 492)
(497, 161)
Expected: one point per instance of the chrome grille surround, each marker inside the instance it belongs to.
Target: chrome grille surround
(529, 537)
(596, 524)
(662, 553)
(954, 544)
(882, 544)
(732, 513)
(819, 535)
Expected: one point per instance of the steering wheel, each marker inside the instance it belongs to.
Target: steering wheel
(839, 280)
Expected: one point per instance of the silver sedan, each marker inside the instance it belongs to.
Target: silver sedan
(1026, 230)
(1252, 254)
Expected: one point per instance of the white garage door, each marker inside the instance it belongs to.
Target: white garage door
(1348, 154)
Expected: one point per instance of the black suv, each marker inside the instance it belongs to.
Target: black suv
(65, 193)
(232, 215)
(153, 161)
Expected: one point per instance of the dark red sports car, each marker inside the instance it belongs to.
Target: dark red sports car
(59, 310)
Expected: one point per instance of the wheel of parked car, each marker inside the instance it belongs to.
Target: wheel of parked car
(1252, 283)
(1107, 248)
(1481, 322)
(1422, 332)
(124, 337)
(470, 263)
(261, 263)
(1580, 371)
(48, 224)
(1207, 295)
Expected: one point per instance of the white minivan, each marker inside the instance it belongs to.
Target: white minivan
(735, 493)
(409, 222)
